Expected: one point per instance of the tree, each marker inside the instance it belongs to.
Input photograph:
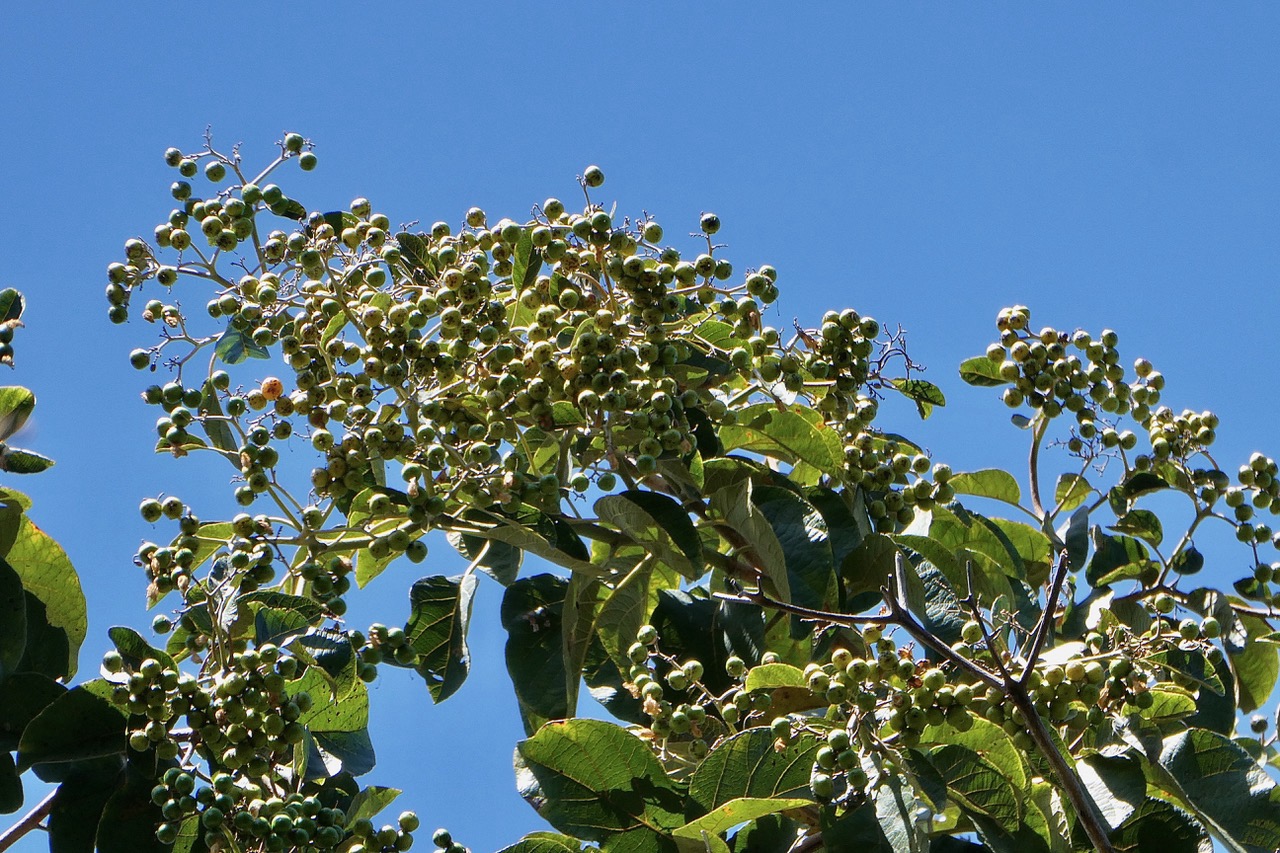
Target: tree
(812, 635)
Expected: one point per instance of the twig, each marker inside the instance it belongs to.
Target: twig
(1046, 618)
(1033, 463)
(29, 821)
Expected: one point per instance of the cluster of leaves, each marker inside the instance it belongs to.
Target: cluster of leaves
(811, 635)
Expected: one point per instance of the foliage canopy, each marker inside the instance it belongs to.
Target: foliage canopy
(812, 635)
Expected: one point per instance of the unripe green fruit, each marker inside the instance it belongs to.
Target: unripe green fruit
(593, 177)
(151, 510)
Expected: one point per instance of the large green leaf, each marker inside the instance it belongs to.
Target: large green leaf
(1116, 783)
(733, 503)
(16, 405)
(978, 785)
(57, 617)
(989, 741)
(440, 610)
(13, 620)
(1161, 826)
(1071, 491)
(790, 435)
(1142, 523)
(338, 752)
(1224, 785)
(81, 723)
(593, 779)
(536, 533)
(340, 704)
(806, 549)
(994, 483)
(531, 612)
(735, 812)
(1256, 666)
(657, 523)
(748, 765)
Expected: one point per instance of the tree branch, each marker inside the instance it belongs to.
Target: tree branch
(1046, 618)
(29, 821)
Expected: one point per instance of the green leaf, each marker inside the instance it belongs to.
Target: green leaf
(134, 649)
(734, 812)
(17, 461)
(592, 779)
(1256, 666)
(790, 435)
(770, 675)
(981, 372)
(1072, 491)
(1224, 785)
(13, 620)
(733, 503)
(657, 523)
(10, 785)
(531, 612)
(1142, 483)
(978, 785)
(1075, 535)
(625, 608)
(369, 803)
(925, 394)
(23, 695)
(16, 405)
(1169, 704)
(989, 741)
(341, 704)
(1158, 825)
(1112, 552)
(1188, 561)
(896, 809)
(525, 262)
(129, 818)
(866, 569)
(544, 842)
(81, 723)
(1142, 523)
(1116, 783)
(538, 534)
(339, 752)
(215, 427)
(806, 550)
(577, 631)
(500, 561)
(747, 765)
(57, 616)
(440, 609)
(234, 346)
(991, 483)
(416, 252)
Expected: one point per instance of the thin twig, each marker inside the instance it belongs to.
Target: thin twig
(29, 821)
(1046, 618)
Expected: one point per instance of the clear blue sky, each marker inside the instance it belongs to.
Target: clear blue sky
(1106, 164)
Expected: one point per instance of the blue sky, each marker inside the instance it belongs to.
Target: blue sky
(1106, 164)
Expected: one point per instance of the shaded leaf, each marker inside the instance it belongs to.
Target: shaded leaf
(129, 818)
(498, 560)
(866, 569)
(23, 696)
(10, 785)
(802, 534)
(10, 306)
(440, 609)
(338, 752)
(78, 804)
(1162, 826)
(1116, 783)
(215, 427)
(234, 346)
(592, 779)
(1142, 483)
(657, 523)
(926, 395)
(1256, 667)
(17, 461)
(978, 785)
(1112, 552)
(1142, 523)
(134, 649)
(13, 620)
(531, 613)
(81, 723)
(369, 802)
